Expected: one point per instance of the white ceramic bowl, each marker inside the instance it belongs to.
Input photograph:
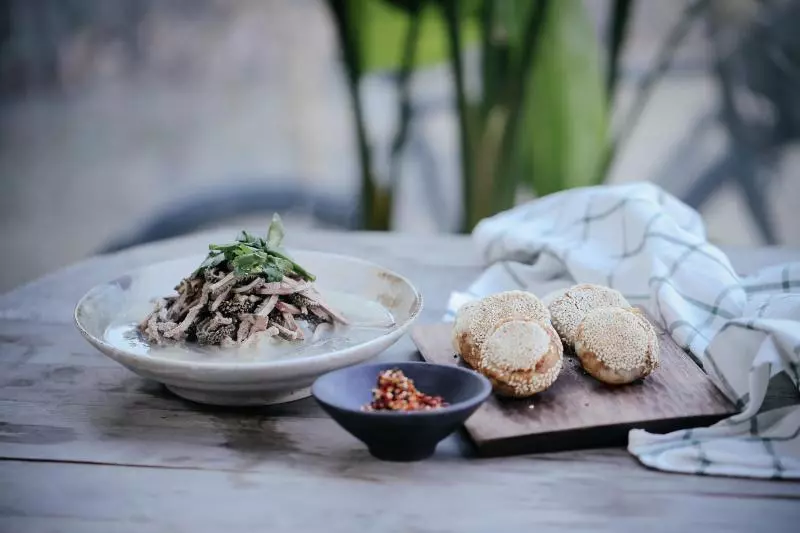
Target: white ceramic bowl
(253, 381)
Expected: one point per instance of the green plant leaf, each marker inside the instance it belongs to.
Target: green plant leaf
(251, 255)
(276, 232)
(213, 259)
(302, 272)
(382, 27)
(246, 237)
(272, 274)
(284, 265)
(564, 133)
(247, 263)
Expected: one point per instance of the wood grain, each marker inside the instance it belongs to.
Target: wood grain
(87, 446)
(581, 412)
(371, 496)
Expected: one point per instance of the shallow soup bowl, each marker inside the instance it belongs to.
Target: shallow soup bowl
(379, 303)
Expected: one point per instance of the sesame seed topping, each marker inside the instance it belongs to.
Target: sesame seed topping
(516, 345)
(568, 310)
(621, 339)
(504, 306)
(522, 358)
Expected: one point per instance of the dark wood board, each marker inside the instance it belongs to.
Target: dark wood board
(578, 411)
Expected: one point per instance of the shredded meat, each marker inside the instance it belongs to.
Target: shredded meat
(285, 307)
(256, 283)
(215, 307)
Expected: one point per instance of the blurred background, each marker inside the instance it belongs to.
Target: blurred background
(124, 121)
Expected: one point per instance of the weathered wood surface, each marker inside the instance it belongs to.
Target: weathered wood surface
(86, 445)
(580, 412)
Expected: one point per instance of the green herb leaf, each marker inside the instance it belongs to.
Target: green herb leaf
(248, 238)
(284, 265)
(302, 272)
(252, 255)
(276, 232)
(225, 248)
(272, 274)
(245, 264)
(211, 261)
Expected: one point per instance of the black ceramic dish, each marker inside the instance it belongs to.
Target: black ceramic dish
(401, 436)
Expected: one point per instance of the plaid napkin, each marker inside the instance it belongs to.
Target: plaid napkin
(744, 332)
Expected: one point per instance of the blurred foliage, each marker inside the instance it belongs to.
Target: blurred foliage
(382, 26)
(541, 120)
(565, 128)
(620, 15)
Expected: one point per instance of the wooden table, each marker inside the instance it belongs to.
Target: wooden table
(87, 446)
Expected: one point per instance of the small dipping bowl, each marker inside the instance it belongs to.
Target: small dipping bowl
(401, 435)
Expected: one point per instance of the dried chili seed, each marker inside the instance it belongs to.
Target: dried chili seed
(396, 392)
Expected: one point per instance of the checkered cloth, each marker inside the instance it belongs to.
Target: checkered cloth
(744, 332)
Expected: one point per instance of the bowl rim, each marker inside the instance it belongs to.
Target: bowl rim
(221, 366)
(476, 400)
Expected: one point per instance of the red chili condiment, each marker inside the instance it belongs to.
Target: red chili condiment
(396, 392)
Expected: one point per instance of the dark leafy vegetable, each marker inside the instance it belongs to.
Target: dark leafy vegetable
(251, 255)
(211, 261)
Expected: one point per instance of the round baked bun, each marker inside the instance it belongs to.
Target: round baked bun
(461, 330)
(617, 345)
(477, 322)
(521, 357)
(569, 309)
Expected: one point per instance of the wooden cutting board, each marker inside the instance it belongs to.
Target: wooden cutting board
(579, 411)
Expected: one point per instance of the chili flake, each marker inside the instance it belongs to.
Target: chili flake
(396, 392)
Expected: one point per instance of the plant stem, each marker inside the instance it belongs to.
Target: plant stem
(404, 90)
(507, 185)
(488, 59)
(375, 201)
(645, 86)
(621, 14)
(452, 24)
(743, 152)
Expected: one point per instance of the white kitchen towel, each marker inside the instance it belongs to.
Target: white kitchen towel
(744, 331)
